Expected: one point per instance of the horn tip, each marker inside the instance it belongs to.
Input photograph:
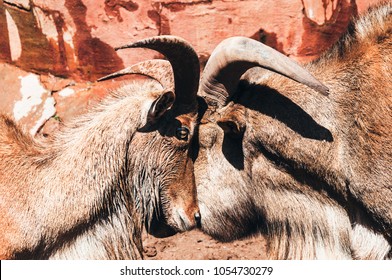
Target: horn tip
(103, 78)
(323, 90)
(128, 46)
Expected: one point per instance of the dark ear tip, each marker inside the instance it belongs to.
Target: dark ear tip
(162, 104)
(170, 94)
(169, 98)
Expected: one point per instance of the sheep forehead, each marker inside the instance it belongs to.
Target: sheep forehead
(210, 134)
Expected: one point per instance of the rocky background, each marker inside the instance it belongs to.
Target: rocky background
(52, 52)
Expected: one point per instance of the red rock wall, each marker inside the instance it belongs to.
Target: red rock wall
(74, 39)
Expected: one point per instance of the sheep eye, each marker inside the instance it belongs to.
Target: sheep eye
(182, 133)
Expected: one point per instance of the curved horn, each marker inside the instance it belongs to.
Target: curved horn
(157, 69)
(234, 56)
(184, 61)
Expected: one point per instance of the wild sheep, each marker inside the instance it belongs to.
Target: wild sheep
(311, 171)
(86, 193)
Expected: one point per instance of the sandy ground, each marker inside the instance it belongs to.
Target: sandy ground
(195, 245)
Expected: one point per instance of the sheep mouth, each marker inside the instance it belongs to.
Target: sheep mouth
(161, 227)
(182, 221)
(158, 227)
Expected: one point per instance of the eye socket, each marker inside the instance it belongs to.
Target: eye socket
(182, 133)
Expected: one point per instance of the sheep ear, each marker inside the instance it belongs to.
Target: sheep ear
(163, 103)
(233, 122)
(232, 127)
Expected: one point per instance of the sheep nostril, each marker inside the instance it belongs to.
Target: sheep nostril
(198, 219)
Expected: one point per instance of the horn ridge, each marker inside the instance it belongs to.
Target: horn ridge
(184, 61)
(235, 55)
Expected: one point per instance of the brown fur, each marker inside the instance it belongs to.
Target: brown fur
(311, 172)
(86, 193)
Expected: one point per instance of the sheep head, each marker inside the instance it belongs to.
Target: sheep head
(165, 135)
(228, 138)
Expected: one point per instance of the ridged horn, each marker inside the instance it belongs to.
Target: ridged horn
(184, 61)
(235, 55)
(157, 69)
